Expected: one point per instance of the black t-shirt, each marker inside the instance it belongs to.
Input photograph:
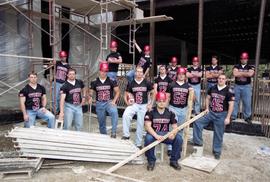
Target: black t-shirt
(194, 80)
(145, 62)
(160, 122)
(104, 91)
(243, 80)
(179, 94)
(61, 71)
(33, 97)
(172, 73)
(219, 100)
(162, 84)
(212, 69)
(113, 67)
(73, 92)
(140, 91)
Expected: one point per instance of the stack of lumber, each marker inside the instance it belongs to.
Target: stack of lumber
(71, 145)
(14, 168)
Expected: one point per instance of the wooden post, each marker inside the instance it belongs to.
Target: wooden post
(140, 152)
(186, 129)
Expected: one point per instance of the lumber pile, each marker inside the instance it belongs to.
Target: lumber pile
(19, 168)
(71, 145)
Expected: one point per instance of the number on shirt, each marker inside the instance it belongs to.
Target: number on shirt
(76, 98)
(217, 105)
(103, 95)
(139, 97)
(36, 105)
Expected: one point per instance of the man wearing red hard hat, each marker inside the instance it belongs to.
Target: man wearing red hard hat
(194, 75)
(61, 75)
(242, 87)
(157, 124)
(114, 59)
(145, 61)
(172, 70)
(107, 93)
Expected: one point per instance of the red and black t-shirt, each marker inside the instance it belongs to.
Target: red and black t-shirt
(113, 67)
(243, 80)
(140, 91)
(33, 97)
(194, 80)
(219, 100)
(172, 73)
(104, 91)
(160, 122)
(145, 62)
(179, 94)
(212, 69)
(163, 84)
(61, 71)
(73, 92)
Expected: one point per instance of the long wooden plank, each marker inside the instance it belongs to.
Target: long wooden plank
(187, 123)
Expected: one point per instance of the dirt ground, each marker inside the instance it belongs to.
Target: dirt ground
(239, 162)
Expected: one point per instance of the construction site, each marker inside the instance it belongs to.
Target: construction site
(33, 33)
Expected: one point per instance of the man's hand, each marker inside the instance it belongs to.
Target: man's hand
(25, 117)
(159, 137)
(227, 121)
(61, 116)
(90, 100)
(113, 103)
(149, 107)
(207, 110)
(83, 101)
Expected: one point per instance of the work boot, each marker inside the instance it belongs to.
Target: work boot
(125, 138)
(113, 135)
(150, 166)
(249, 120)
(169, 153)
(175, 165)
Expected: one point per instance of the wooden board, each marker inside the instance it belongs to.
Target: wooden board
(17, 174)
(206, 164)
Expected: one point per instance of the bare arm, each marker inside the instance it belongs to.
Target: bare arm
(90, 99)
(62, 103)
(208, 74)
(151, 131)
(115, 60)
(207, 101)
(189, 75)
(22, 106)
(126, 98)
(116, 94)
(137, 47)
(146, 72)
(230, 110)
(155, 87)
(44, 101)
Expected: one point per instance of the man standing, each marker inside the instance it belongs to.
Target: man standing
(61, 75)
(178, 93)
(139, 89)
(72, 98)
(220, 99)
(212, 72)
(162, 81)
(242, 88)
(33, 102)
(145, 62)
(157, 124)
(105, 101)
(172, 70)
(194, 75)
(114, 59)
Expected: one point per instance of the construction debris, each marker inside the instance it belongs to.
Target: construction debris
(71, 145)
(19, 168)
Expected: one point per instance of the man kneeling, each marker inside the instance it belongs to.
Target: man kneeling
(157, 123)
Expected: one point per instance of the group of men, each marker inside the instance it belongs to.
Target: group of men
(168, 94)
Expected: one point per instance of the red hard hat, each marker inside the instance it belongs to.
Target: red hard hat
(113, 44)
(62, 54)
(195, 59)
(161, 96)
(244, 55)
(104, 67)
(181, 70)
(147, 48)
(174, 59)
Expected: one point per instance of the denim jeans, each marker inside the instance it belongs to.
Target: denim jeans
(243, 92)
(73, 112)
(112, 75)
(57, 88)
(209, 85)
(130, 75)
(218, 121)
(101, 108)
(130, 111)
(176, 147)
(48, 117)
(197, 92)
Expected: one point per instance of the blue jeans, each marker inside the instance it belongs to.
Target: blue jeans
(112, 75)
(197, 103)
(57, 87)
(218, 121)
(130, 75)
(243, 92)
(209, 85)
(130, 111)
(176, 147)
(101, 108)
(73, 112)
(48, 117)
